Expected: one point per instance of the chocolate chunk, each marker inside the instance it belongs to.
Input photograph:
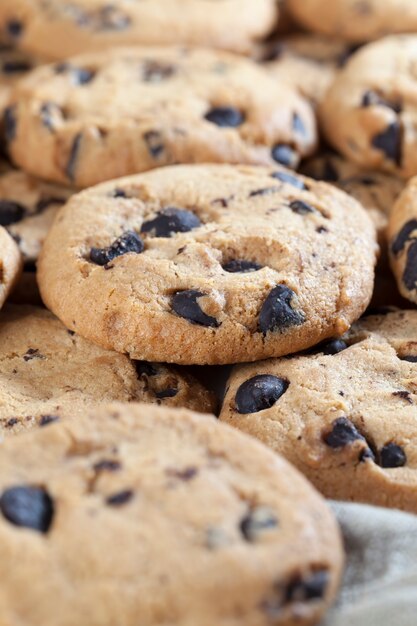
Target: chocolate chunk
(78, 75)
(263, 192)
(225, 117)
(301, 207)
(166, 393)
(12, 422)
(107, 465)
(277, 313)
(111, 18)
(170, 221)
(16, 67)
(154, 143)
(403, 236)
(343, 433)
(372, 98)
(120, 498)
(156, 71)
(257, 522)
(298, 125)
(410, 271)
(409, 358)
(14, 28)
(10, 123)
(307, 588)
(284, 154)
(45, 420)
(404, 395)
(32, 353)
(119, 193)
(184, 303)
(290, 179)
(143, 368)
(29, 507)
(392, 455)
(126, 243)
(259, 393)
(389, 141)
(73, 157)
(186, 474)
(11, 212)
(334, 346)
(241, 266)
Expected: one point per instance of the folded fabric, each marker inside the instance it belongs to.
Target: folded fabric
(380, 582)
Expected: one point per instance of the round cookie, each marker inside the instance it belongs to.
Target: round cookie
(402, 237)
(369, 111)
(307, 63)
(344, 414)
(46, 370)
(160, 501)
(376, 191)
(209, 264)
(57, 30)
(10, 264)
(27, 209)
(353, 20)
(105, 115)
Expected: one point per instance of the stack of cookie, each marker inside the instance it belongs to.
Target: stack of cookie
(193, 183)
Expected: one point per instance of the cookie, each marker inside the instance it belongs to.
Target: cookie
(376, 191)
(307, 63)
(366, 112)
(355, 21)
(27, 209)
(344, 414)
(10, 264)
(46, 370)
(209, 264)
(57, 30)
(402, 236)
(158, 502)
(101, 116)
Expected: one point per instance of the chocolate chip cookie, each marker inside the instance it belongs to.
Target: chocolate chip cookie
(345, 414)
(376, 191)
(367, 111)
(10, 264)
(402, 235)
(101, 511)
(124, 111)
(27, 210)
(307, 63)
(46, 371)
(209, 264)
(354, 20)
(57, 29)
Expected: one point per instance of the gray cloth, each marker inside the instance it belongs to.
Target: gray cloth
(380, 583)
